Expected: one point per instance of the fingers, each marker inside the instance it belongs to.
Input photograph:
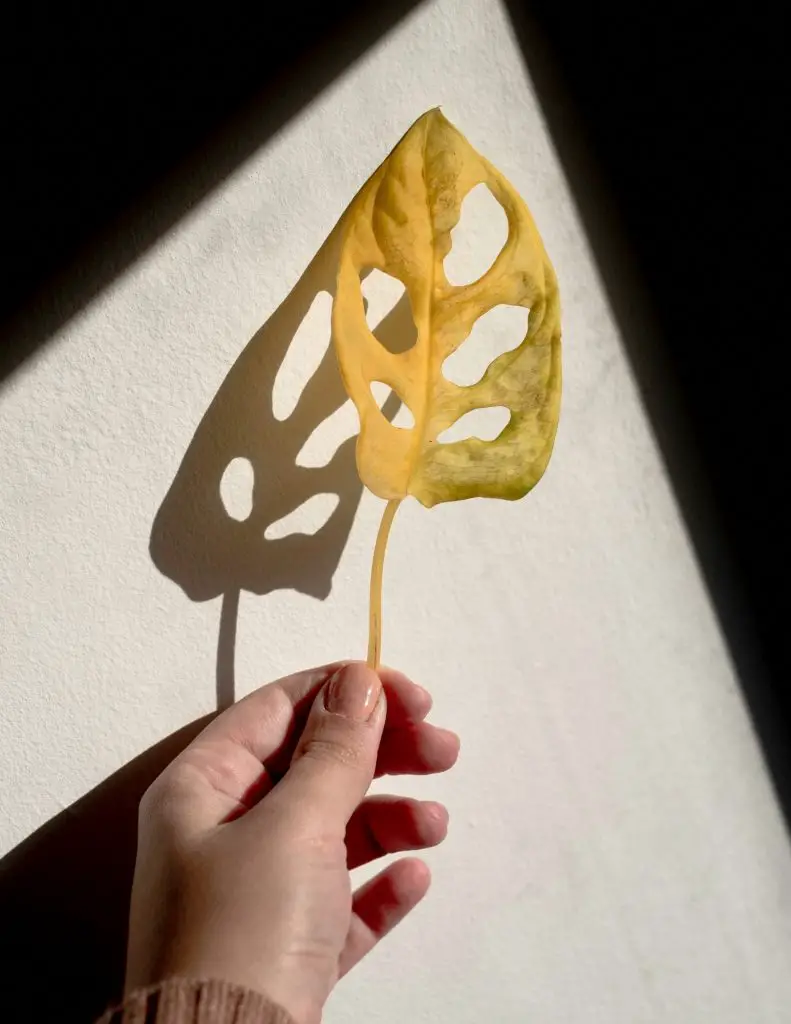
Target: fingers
(406, 701)
(240, 755)
(268, 721)
(390, 824)
(379, 905)
(417, 749)
(335, 758)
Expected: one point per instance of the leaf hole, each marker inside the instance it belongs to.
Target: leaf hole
(308, 518)
(388, 311)
(477, 239)
(236, 489)
(486, 424)
(328, 436)
(382, 393)
(303, 356)
(500, 330)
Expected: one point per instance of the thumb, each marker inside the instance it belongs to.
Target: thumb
(335, 759)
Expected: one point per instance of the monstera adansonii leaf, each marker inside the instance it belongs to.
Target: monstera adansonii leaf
(400, 223)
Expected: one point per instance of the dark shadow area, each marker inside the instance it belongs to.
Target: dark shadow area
(115, 120)
(196, 543)
(669, 123)
(64, 898)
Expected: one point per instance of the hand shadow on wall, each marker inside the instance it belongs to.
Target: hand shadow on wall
(196, 543)
(64, 899)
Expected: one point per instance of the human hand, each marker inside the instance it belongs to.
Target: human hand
(246, 840)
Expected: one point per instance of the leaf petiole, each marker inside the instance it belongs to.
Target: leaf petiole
(377, 568)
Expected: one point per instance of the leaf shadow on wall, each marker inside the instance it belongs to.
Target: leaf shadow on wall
(195, 541)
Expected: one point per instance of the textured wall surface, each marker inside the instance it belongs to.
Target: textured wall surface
(615, 852)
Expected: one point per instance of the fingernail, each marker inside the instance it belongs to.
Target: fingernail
(353, 692)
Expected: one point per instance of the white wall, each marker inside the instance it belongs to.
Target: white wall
(615, 852)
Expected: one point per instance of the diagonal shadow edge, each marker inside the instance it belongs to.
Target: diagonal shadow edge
(253, 113)
(752, 650)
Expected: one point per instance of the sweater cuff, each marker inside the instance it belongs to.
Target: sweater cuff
(184, 1001)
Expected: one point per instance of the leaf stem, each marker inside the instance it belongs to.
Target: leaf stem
(377, 567)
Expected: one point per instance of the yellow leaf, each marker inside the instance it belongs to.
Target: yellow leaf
(400, 223)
